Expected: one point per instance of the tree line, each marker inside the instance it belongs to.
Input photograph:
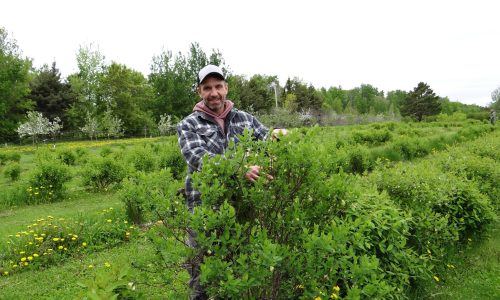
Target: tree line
(111, 99)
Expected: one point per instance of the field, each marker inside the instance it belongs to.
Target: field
(403, 211)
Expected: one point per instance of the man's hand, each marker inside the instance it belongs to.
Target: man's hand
(253, 174)
(277, 132)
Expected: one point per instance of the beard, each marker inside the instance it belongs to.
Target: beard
(215, 104)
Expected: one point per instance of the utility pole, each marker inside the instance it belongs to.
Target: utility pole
(273, 85)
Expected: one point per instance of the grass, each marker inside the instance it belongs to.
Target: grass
(473, 271)
(15, 219)
(62, 281)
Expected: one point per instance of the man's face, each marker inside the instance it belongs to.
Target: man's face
(213, 91)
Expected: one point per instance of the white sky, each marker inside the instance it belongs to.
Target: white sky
(454, 46)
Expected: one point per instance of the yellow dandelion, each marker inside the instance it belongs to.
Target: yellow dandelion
(14, 266)
(436, 278)
(5, 273)
(22, 252)
(126, 222)
(50, 249)
(30, 258)
(73, 238)
(60, 247)
(35, 254)
(84, 244)
(109, 220)
(65, 249)
(90, 266)
(333, 296)
(317, 298)
(107, 264)
(55, 239)
(26, 263)
(336, 288)
(43, 234)
(23, 259)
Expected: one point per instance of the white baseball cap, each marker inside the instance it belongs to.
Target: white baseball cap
(210, 70)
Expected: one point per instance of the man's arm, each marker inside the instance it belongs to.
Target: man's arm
(193, 147)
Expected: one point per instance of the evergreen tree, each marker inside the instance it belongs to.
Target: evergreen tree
(51, 96)
(421, 102)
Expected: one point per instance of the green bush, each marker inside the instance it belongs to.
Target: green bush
(143, 194)
(102, 173)
(142, 158)
(170, 156)
(5, 157)
(47, 181)
(12, 171)
(67, 156)
(305, 234)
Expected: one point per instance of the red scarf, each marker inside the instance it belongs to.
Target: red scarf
(219, 118)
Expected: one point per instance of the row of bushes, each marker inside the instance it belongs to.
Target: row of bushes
(317, 232)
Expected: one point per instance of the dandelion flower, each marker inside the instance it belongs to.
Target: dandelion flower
(84, 244)
(30, 258)
(22, 252)
(107, 264)
(109, 220)
(336, 288)
(317, 298)
(60, 247)
(35, 254)
(90, 266)
(333, 296)
(23, 258)
(436, 278)
(26, 263)
(55, 239)
(5, 273)
(73, 238)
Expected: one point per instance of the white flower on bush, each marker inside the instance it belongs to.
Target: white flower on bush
(37, 125)
(165, 124)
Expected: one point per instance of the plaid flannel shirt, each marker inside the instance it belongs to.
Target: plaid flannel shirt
(199, 135)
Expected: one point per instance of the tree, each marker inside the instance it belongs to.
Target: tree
(37, 125)
(421, 102)
(111, 125)
(165, 124)
(127, 94)
(86, 84)
(51, 96)
(91, 126)
(395, 99)
(14, 86)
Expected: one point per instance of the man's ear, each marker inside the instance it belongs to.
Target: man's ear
(198, 91)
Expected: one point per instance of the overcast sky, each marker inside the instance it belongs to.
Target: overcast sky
(452, 45)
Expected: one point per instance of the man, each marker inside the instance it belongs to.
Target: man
(207, 131)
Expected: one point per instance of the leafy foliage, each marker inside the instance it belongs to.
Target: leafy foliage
(421, 102)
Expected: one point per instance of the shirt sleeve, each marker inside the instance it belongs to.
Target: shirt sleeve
(193, 147)
(259, 131)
